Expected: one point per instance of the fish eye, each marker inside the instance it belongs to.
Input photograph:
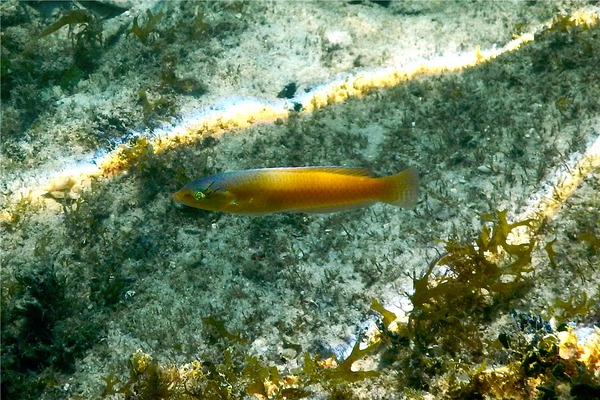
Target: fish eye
(199, 195)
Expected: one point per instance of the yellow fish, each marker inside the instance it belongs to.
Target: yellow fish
(301, 189)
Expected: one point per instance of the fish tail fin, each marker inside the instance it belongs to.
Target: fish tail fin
(403, 188)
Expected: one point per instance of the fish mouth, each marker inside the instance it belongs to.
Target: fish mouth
(179, 197)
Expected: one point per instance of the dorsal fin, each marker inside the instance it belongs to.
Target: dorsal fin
(332, 170)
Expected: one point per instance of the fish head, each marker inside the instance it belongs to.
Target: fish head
(205, 194)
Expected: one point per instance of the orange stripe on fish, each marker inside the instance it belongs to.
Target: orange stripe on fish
(302, 189)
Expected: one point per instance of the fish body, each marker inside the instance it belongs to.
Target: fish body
(301, 189)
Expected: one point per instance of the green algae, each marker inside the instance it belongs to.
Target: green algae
(478, 284)
(577, 306)
(234, 375)
(449, 309)
(43, 333)
(143, 32)
(90, 25)
(546, 364)
(18, 214)
(86, 36)
(388, 316)
(453, 307)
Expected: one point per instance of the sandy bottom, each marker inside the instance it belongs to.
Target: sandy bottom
(110, 290)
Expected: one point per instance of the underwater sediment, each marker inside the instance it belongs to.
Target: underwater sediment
(488, 287)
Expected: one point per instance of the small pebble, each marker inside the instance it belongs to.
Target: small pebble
(484, 168)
